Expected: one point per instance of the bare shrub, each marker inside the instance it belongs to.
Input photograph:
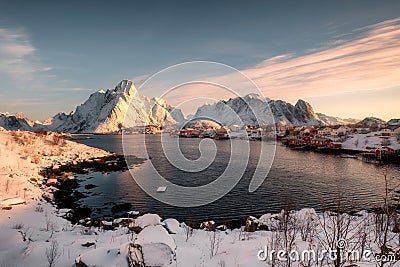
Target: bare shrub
(386, 218)
(286, 227)
(59, 140)
(215, 242)
(188, 231)
(26, 234)
(221, 263)
(53, 253)
(336, 228)
(50, 226)
(39, 208)
(307, 223)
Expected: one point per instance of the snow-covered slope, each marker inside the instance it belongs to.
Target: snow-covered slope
(282, 112)
(104, 112)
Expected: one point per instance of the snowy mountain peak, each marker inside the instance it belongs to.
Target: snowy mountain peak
(113, 110)
(126, 86)
(305, 106)
(253, 96)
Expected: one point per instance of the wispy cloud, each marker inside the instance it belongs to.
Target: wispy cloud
(18, 56)
(370, 61)
(366, 59)
(25, 102)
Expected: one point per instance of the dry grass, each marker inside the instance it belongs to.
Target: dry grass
(59, 140)
(36, 158)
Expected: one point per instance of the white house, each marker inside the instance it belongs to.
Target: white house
(325, 131)
(339, 131)
(235, 128)
(386, 132)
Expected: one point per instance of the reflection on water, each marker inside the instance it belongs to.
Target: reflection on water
(297, 179)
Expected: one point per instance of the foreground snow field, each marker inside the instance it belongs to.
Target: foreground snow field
(33, 232)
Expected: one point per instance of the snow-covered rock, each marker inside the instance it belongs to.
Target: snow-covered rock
(157, 254)
(173, 226)
(104, 257)
(147, 220)
(155, 235)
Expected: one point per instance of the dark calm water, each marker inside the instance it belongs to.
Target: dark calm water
(296, 180)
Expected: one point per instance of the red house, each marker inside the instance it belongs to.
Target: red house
(321, 142)
(296, 141)
(392, 149)
(335, 145)
(307, 139)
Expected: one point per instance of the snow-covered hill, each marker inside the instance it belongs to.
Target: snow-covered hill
(372, 121)
(104, 112)
(394, 122)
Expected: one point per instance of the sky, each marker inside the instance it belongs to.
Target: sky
(341, 56)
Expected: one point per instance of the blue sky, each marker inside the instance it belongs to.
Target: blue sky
(53, 54)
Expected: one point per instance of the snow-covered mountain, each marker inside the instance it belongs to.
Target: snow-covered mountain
(104, 112)
(237, 111)
(283, 113)
(15, 122)
(330, 120)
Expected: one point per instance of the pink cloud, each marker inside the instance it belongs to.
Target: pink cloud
(369, 62)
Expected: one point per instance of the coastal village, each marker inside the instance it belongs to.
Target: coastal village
(373, 142)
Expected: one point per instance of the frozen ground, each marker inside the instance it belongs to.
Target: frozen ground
(366, 142)
(33, 233)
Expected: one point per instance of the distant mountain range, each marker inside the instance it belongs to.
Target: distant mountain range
(104, 112)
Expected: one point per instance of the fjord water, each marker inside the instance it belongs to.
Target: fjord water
(297, 179)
